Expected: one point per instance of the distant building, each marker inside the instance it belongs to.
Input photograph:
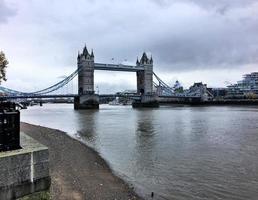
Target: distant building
(246, 88)
(178, 87)
(200, 89)
(218, 92)
(127, 92)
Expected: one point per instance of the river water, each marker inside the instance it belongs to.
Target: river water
(177, 152)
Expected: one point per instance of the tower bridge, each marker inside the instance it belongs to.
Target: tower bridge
(87, 97)
(147, 94)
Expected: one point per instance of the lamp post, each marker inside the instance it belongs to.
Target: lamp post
(9, 127)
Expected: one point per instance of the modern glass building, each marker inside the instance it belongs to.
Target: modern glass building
(248, 87)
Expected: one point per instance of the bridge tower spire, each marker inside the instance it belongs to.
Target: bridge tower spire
(87, 98)
(92, 54)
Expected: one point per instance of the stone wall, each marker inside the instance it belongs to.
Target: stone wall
(24, 171)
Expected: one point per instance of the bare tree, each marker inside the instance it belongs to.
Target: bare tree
(3, 65)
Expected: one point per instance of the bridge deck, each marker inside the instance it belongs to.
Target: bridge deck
(37, 96)
(74, 95)
(117, 67)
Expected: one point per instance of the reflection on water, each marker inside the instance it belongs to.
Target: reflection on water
(177, 152)
(86, 125)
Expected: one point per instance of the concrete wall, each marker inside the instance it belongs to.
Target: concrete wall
(24, 171)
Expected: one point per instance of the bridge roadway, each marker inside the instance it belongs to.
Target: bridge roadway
(35, 96)
(117, 67)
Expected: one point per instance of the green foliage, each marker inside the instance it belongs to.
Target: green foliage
(3, 65)
(179, 90)
(44, 195)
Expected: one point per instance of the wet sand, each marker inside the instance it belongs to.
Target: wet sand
(77, 171)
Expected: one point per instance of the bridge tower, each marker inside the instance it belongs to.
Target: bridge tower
(87, 98)
(145, 83)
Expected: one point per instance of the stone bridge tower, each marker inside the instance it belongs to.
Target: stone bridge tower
(145, 77)
(87, 98)
(145, 83)
(85, 62)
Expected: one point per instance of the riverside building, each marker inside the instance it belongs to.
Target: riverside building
(246, 88)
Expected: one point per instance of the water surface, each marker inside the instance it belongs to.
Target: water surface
(179, 152)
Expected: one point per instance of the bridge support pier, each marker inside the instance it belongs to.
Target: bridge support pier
(146, 101)
(85, 102)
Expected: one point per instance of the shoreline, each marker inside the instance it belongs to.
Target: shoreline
(78, 171)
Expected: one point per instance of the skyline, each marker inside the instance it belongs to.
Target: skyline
(191, 41)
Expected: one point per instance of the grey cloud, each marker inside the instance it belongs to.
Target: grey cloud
(218, 3)
(231, 46)
(208, 3)
(5, 12)
(219, 6)
(181, 35)
(223, 6)
(203, 39)
(212, 42)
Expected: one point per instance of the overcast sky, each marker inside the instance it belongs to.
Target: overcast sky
(214, 41)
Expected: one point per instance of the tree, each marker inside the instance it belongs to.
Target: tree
(3, 65)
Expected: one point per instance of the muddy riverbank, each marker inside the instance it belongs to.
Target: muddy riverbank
(77, 171)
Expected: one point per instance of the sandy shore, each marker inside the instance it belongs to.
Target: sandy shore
(77, 171)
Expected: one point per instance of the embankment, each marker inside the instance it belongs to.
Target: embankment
(77, 171)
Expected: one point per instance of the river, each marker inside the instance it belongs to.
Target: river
(177, 152)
